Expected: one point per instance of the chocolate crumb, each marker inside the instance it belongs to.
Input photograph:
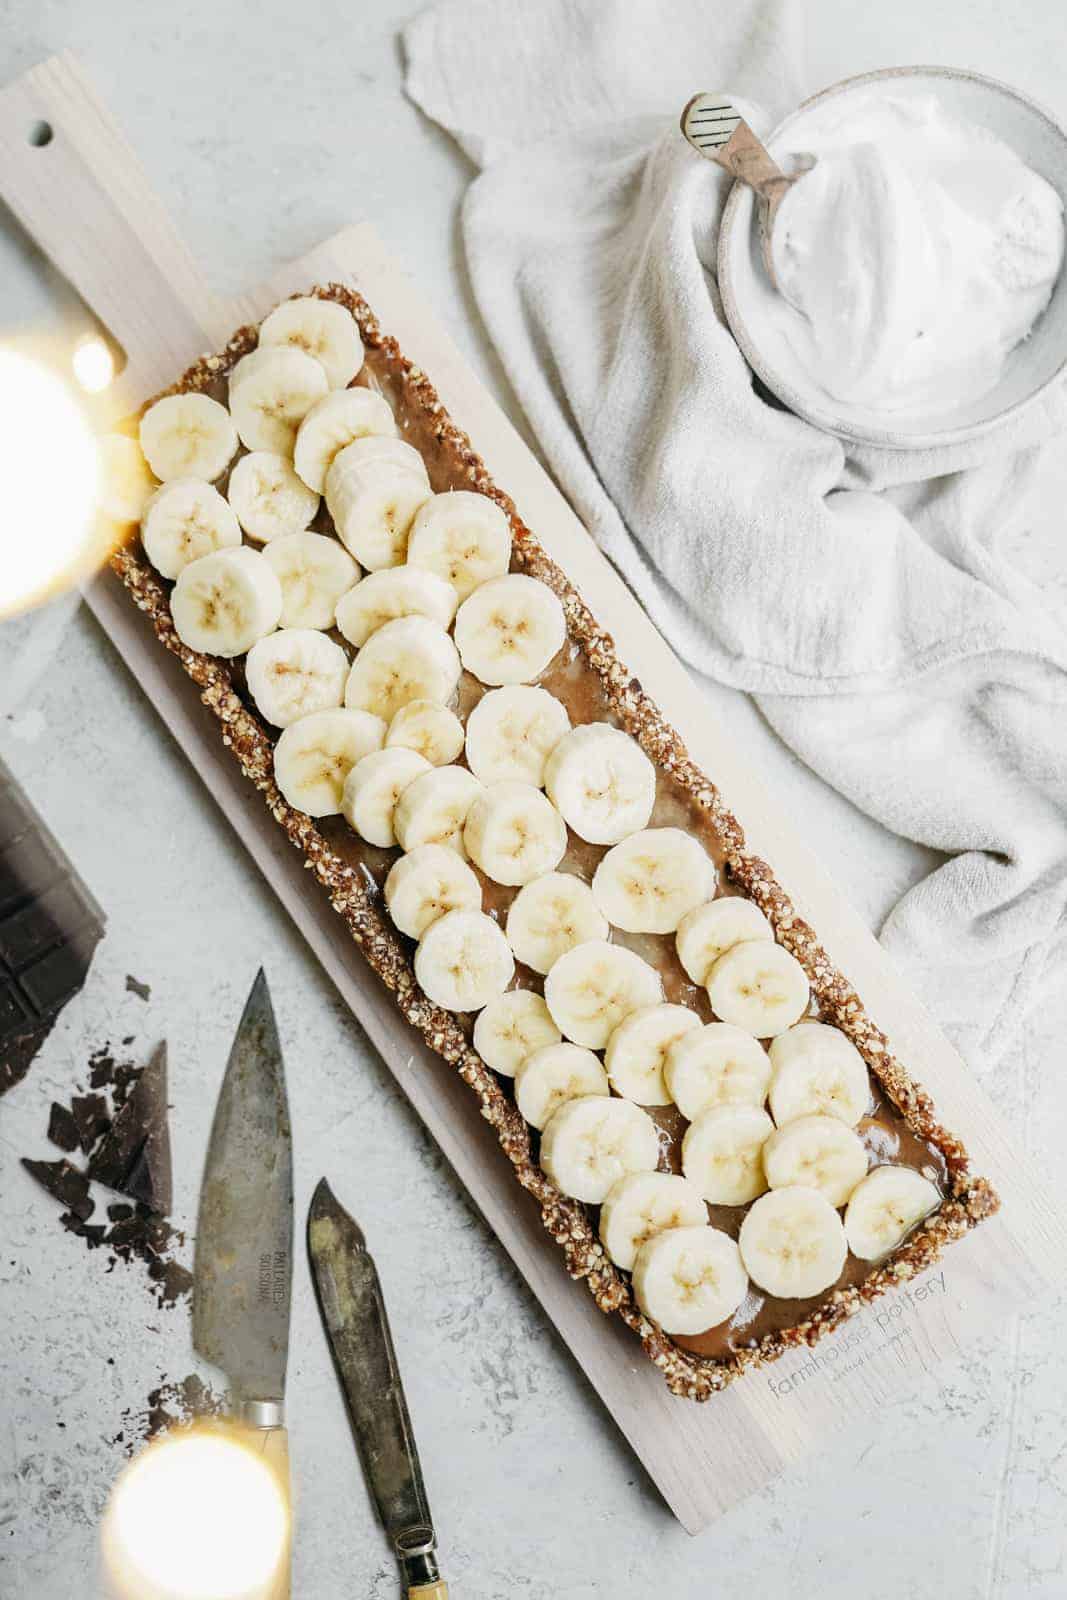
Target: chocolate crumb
(135, 986)
(64, 1183)
(118, 1211)
(62, 1128)
(171, 1403)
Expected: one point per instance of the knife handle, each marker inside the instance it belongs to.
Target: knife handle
(429, 1591)
(273, 1445)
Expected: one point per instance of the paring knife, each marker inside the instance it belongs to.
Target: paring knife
(242, 1272)
(353, 1311)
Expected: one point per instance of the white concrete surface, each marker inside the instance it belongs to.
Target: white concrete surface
(265, 132)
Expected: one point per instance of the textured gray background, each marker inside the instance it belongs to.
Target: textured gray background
(263, 136)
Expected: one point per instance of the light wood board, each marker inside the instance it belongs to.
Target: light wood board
(85, 200)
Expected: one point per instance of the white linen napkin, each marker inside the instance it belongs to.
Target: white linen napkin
(862, 595)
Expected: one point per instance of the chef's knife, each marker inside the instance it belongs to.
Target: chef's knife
(242, 1273)
(353, 1311)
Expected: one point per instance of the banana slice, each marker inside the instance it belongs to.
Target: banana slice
(314, 572)
(514, 834)
(512, 732)
(638, 1049)
(759, 987)
(792, 1243)
(314, 756)
(816, 1069)
(590, 1143)
(591, 988)
(647, 883)
(432, 730)
(722, 1153)
(426, 884)
(184, 520)
(707, 932)
(268, 498)
(463, 961)
(391, 593)
(816, 1153)
(716, 1065)
(434, 809)
(550, 916)
(409, 659)
(373, 507)
(223, 602)
(335, 423)
(553, 1074)
(321, 328)
(271, 392)
(885, 1207)
(464, 537)
(188, 436)
(514, 1025)
(294, 672)
(372, 790)
(646, 1203)
(126, 485)
(689, 1279)
(509, 629)
(601, 782)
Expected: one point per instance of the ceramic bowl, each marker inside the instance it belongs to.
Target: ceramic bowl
(750, 303)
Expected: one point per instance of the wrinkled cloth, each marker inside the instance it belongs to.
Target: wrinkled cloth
(860, 594)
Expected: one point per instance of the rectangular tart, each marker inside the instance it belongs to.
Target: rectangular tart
(899, 1127)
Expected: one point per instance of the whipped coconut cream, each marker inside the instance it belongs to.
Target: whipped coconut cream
(914, 256)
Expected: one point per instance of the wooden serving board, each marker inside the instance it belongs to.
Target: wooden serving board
(85, 200)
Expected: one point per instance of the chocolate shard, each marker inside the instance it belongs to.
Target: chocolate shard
(64, 1183)
(90, 1114)
(62, 1128)
(135, 1157)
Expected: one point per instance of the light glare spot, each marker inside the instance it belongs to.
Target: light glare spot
(93, 363)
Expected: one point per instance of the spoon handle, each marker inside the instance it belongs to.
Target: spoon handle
(717, 130)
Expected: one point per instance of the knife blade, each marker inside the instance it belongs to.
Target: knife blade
(357, 1327)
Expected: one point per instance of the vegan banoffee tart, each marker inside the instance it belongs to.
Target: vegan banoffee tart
(718, 1136)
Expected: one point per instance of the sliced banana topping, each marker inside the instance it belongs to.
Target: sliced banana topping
(314, 573)
(550, 916)
(601, 782)
(590, 1143)
(647, 883)
(321, 328)
(337, 422)
(184, 520)
(716, 1065)
(509, 629)
(188, 436)
(593, 987)
(428, 728)
(514, 834)
(553, 1074)
(512, 732)
(758, 987)
(372, 790)
(391, 593)
(463, 961)
(314, 756)
(722, 1153)
(514, 1025)
(126, 484)
(464, 537)
(223, 602)
(373, 507)
(271, 392)
(434, 809)
(268, 498)
(427, 883)
(707, 932)
(646, 1203)
(816, 1152)
(638, 1049)
(294, 672)
(409, 659)
(689, 1279)
(885, 1207)
(792, 1243)
(817, 1069)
